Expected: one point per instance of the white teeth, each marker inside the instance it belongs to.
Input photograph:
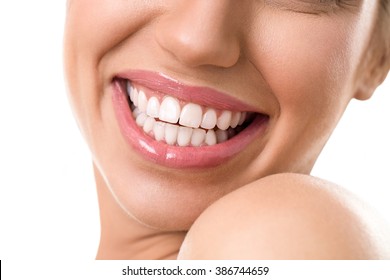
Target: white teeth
(142, 101)
(171, 131)
(136, 112)
(191, 115)
(141, 119)
(159, 131)
(224, 119)
(169, 110)
(153, 107)
(211, 138)
(134, 96)
(197, 137)
(222, 135)
(130, 91)
(184, 136)
(209, 120)
(235, 119)
(242, 118)
(149, 124)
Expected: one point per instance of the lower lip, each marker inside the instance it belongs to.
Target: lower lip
(175, 156)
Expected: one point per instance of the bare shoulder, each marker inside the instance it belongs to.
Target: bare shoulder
(288, 216)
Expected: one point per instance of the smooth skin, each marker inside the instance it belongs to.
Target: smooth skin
(288, 216)
(300, 61)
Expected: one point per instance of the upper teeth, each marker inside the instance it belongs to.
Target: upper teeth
(192, 118)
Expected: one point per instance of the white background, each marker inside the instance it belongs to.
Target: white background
(48, 205)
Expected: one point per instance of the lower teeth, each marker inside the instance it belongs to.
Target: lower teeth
(177, 135)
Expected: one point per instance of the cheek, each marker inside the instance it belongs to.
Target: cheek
(308, 66)
(93, 28)
(305, 62)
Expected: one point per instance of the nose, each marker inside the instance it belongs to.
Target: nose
(201, 32)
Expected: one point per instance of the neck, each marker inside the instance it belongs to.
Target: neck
(124, 238)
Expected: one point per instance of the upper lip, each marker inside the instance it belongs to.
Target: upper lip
(205, 96)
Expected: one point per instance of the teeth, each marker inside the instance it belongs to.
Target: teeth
(136, 112)
(222, 135)
(171, 131)
(153, 107)
(242, 118)
(211, 138)
(130, 91)
(224, 119)
(149, 124)
(141, 119)
(191, 115)
(159, 131)
(209, 120)
(184, 136)
(188, 126)
(198, 136)
(169, 110)
(235, 119)
(133, 94)
(142, 101)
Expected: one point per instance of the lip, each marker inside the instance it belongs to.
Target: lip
(205, 96)
(175, 156)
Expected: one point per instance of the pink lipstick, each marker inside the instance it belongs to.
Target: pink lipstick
(191, 154)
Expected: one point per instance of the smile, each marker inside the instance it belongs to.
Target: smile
(179, 123)
(181, 126)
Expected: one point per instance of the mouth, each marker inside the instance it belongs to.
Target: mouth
(182, 126)
(180, 123)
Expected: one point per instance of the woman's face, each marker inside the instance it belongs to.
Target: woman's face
(283, 69)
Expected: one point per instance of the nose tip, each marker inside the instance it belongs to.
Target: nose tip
(200, 34)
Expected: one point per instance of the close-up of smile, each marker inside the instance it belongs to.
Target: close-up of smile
(182, 126)
(207, 125)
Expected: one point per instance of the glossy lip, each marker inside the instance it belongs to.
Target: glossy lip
(208, 97)
(175, 156)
